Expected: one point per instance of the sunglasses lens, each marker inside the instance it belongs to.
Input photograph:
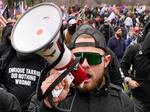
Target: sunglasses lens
(92, 58)
(80, 55)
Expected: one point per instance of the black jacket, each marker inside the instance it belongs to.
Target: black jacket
(113, 69)
(140, 70)
(109, 98)
(8, 102)
(129, 59)
(8, 56)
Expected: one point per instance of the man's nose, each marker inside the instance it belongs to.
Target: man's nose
(85, 63)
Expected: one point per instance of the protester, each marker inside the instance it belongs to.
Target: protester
(69, 31)
(97, 92)
(19, 72)
(128, 21)
(113, 66)
(137, 56)
(117, 43)
(135, 34)
(107, 29)
(10, 24)
(12, 62)
(128, 66)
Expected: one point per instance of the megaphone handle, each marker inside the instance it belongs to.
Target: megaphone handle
(69, 78)
(41, 79)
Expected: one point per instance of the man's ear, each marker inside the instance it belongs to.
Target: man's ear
(107, 59)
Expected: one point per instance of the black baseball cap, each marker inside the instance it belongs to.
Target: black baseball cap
(99, 38)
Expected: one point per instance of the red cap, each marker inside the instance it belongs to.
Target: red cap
(135, 29)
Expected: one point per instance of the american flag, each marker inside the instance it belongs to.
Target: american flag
(3, 21)
(4, 16)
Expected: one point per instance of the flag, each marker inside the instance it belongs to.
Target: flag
(3, 21)
(5, 12)
(4, 16)
(1, 6)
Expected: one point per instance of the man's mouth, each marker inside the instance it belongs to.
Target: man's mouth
(88, 76)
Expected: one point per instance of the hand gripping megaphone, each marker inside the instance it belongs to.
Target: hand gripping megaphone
(38, 31)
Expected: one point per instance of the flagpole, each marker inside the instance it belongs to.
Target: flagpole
(4, 9)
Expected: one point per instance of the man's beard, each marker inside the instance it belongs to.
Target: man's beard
(118, 35)
(97, 83)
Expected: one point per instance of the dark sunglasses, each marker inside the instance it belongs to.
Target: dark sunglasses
(92, 58)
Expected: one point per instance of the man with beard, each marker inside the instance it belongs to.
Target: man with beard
(97, 93)
(117, 43)
(19, 72)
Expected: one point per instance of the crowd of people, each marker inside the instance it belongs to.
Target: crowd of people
(113, 44)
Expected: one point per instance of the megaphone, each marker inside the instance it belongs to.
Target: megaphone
(38, 31)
